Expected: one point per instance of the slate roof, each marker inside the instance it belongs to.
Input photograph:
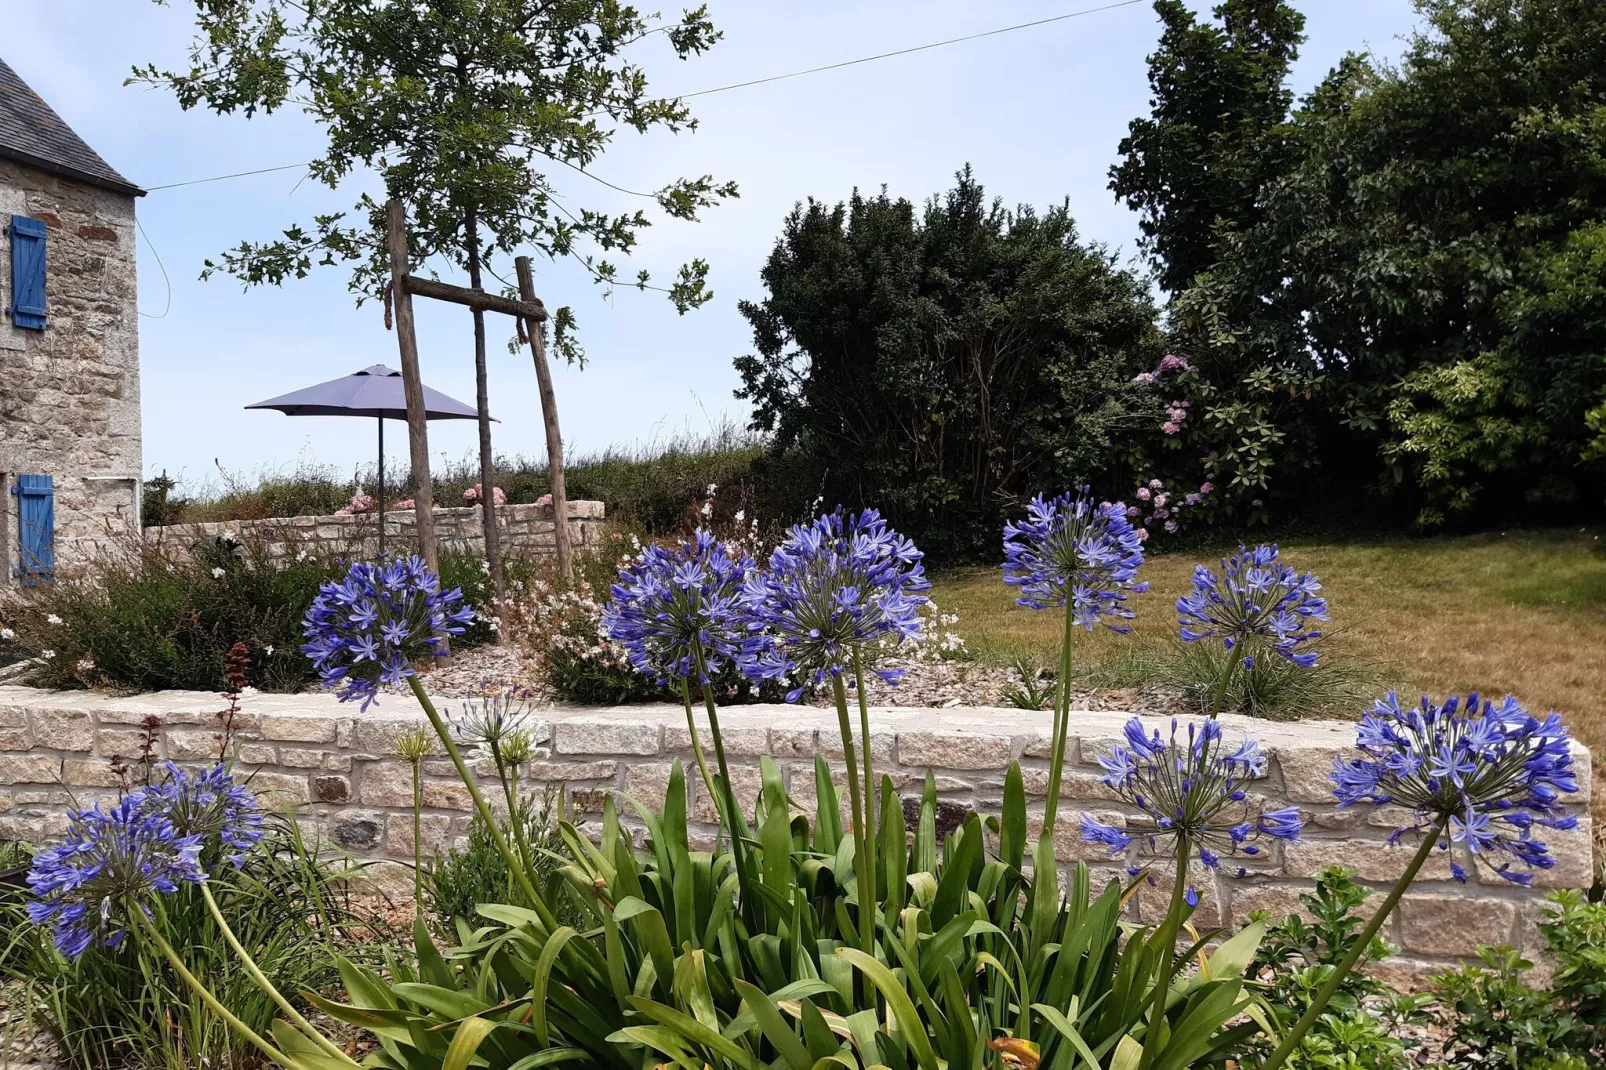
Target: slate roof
(32, 133)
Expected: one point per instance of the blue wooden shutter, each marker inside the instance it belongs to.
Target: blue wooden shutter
(27, 272)
(36, 529)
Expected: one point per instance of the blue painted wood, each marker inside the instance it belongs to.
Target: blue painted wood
(36, 529)
(27, 272)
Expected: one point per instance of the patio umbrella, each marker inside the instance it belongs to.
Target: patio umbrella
(375, 391)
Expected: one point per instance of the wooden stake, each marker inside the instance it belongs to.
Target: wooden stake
(549, 416)
(412, 383)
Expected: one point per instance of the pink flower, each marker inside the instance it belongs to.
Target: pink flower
(1192, 499)
(545, 499)
(1133, 511)
(1142, 534)
(1155, 484)
(1170, 428)
(406, 503)
(1144, 494)
(1161, 499)
(1171, 525)
(1172, 363)
(1206, 488)
(360, 503)
(1143, 378)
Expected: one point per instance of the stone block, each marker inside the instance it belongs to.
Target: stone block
(793, 742)
(292, 729)
(28, 769)
(71, 730)
(955, 750)
(1154, 896)
(1306, 772)
(448, 795)
(191, 744)
(279, 789)
(300, 758)
(607, 737)
(434, 834)
(120, 741)
(258, 754)
(566, 772)
(90, 774)
(883, 743)
(357, 830)
(1573, 851)
(746, 784)
(744, 742)
(385, 783)
(331, 788)
(1372, 860)
(378, 736)
(16, 739)
(648, 783)
(1454, 923)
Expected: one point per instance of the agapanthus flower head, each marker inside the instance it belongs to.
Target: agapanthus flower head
(1492, 771)
(490, 718)
(211, 805)
(673, 604)
(368, 628)
(110, 862)
(1192, 785)
(1073, 548)
(1256, 600)
(842, 584)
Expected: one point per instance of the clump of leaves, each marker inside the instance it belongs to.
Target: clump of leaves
(1036, 688)
(1273, 688)
(465, 877)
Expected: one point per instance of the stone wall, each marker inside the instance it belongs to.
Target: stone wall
(526, 528)
(338, 767)
(69, 399)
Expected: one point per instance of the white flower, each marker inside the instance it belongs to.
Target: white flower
(248, 690)
(741, 515)
(47, 654)
(712, 487)
(53, 619)
(268, 650)
(708, 508)
(84, 664)
(301, 556)
(230, 536)
(7, 634)
(218, 573)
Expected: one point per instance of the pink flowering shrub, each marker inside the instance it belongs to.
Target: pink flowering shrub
(473, 493)
(360, 503)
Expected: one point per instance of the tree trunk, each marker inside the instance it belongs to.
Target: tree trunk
(493, 551)
(412, 383)
(554, 437)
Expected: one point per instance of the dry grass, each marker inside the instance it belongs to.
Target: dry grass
(1522, 612)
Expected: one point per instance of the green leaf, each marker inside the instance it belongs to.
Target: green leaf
(466, 1042)
(543, 976)
(1012, 827)
(303, 1053)
(775, 1028)
(431, 966)
(910, 1027)
(698, 1033)
(548, 1057)
(1063, 1026)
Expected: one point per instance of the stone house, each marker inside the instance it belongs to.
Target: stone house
(70, 461)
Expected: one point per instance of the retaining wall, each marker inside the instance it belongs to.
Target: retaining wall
(526, 528)
(339, 768)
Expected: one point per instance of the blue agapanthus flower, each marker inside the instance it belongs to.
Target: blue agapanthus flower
(1493, 772)
(1071, 547)
(367, 629)
(211, 805)
(1255, 600)
(673, 605)
(1193, 788)
(110, 861)
(839, 585)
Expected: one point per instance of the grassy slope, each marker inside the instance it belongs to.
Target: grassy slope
(1522, 612)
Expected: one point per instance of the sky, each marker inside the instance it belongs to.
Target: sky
(1038, 112)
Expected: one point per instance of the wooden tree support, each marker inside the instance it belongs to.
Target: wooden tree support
(529, 309)
(412, 383)
(549, 417)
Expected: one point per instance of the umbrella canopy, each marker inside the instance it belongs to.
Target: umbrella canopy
(377, 393)
(374, 392)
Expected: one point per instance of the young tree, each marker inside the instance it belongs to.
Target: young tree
(461, 107)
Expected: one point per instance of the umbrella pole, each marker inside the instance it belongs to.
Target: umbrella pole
(381, 486)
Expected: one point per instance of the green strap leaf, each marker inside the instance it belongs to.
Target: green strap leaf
(910, 1028)
(543, 977)
(775, 1028)
(467, 1041)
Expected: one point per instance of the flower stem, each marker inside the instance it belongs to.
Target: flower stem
(1226, 679)
(267, 986)
(1062, 719)
(734, 817)
(696, 743)
(1166, 936)
(207, 997)
(522, 878)
(1362, 942)
(418, 869)
(872, 844)
(860, 846)
(508, 774)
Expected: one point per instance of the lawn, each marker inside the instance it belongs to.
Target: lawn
(1521, 612)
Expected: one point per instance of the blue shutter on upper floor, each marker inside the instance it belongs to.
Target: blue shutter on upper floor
(36, 529)
(27, 272)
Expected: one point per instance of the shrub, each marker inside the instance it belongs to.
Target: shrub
(155, 617)
(126, 1008)
(460, 880)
